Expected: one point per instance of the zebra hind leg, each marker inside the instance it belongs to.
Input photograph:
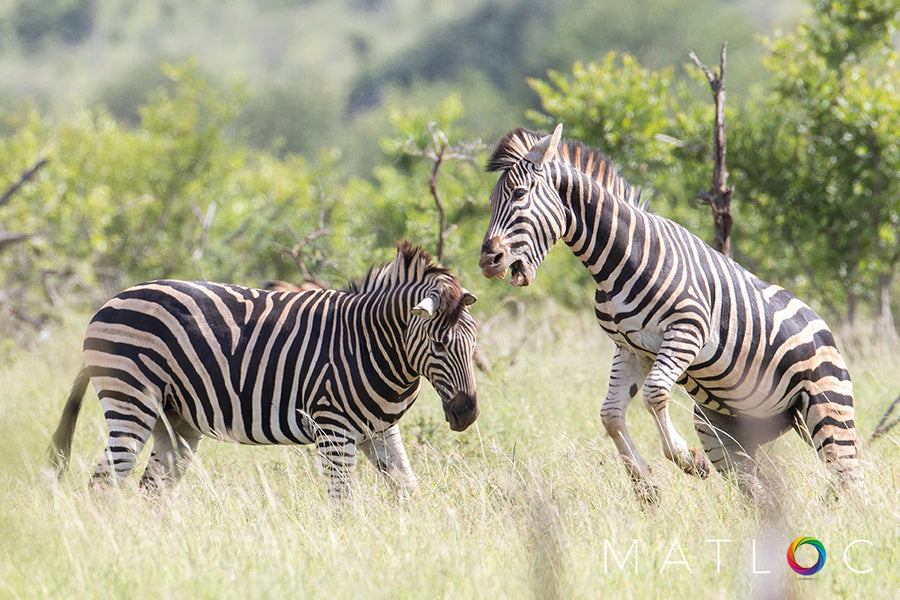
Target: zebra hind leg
(130, 418)
(828, 425)
(174, 443)
(336, 448)
(730, 452)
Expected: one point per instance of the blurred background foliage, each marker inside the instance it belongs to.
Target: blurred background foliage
(253, 140)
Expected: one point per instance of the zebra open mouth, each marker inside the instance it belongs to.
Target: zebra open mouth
(499, 263)
(518, 274)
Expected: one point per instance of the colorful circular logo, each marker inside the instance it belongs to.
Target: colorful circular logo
(802, 541)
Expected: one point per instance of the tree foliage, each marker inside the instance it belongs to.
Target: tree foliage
(644, 120)
(819, 151)
(173, 197)
(180, 187)
(812, 150)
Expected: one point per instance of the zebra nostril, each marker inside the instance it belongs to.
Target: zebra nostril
(493, 255)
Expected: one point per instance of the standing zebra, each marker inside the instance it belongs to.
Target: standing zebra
(337, 368)
(756, 360)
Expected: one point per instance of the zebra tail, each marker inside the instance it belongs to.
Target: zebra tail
(61, 442)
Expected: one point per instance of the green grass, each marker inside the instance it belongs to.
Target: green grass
(530, 503)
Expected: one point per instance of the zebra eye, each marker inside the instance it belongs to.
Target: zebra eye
(440, 344)
(518, 193)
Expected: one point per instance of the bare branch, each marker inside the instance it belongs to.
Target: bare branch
(205, 222)
(12, 238)
(297, 253)
(23, 179)
(709, 75)
(668, 139)
(704, 196)
(883, 425)
(439, 151)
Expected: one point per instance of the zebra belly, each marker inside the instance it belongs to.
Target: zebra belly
(750, 398)
(643, 342)
(725, 388)
(301, 431)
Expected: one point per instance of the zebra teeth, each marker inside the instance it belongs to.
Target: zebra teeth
(518, 275)
(501, 274)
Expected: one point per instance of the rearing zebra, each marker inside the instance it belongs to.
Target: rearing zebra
(334, 367)
(756, 360)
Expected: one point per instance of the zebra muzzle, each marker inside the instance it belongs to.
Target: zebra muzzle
(461, 411)
(495, 258)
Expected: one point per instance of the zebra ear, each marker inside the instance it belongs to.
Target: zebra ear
(545, 149)
(468, 298)
(424, 309)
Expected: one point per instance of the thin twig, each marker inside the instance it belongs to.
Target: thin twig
(12, 238)
(23, 179)
(883, 426)
(297, 254)
(709, 74)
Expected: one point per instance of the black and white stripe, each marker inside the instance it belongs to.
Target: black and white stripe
(337, 368)
(756, 360)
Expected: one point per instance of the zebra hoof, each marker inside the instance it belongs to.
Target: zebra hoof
(647, 493)
(699, 464)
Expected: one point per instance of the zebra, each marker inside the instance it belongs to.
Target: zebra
(338, 368)
(756, 360)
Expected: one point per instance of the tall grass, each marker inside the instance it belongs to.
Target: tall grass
(530, 503)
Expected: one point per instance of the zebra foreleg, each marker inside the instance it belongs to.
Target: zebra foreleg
(174, 444)
(337, 454)
(677, 351)
(628, 372)
(387, 453)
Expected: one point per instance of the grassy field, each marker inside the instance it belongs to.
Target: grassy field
(530, 503)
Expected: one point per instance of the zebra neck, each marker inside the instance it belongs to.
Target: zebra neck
(384, 316)
(600, 226)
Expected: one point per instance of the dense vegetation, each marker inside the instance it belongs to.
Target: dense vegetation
(172, 171)
(169, 166)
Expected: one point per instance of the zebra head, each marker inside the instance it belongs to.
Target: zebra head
(527, 214)
(440, 343)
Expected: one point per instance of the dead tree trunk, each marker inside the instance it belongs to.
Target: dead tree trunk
(719, 195)
(432, 185)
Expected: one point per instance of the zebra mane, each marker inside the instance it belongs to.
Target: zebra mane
(414, 265)
(592, 162)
